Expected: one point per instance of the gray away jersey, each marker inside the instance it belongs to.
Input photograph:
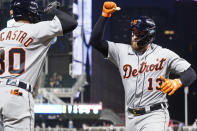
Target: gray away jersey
(140, 73)
(23, 48)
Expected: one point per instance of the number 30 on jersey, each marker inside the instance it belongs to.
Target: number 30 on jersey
(12, 61)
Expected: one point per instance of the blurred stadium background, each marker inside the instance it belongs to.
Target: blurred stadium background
(79, 90)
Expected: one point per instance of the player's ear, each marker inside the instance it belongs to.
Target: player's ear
(11, 13)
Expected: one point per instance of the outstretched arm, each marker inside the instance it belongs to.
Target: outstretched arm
(96, 39)
(68, 22)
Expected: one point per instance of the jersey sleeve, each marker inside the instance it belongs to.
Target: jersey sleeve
(46, 30)
(113, 53)
(177, 64)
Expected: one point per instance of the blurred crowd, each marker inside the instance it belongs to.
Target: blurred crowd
(56, 80)
(59, 80)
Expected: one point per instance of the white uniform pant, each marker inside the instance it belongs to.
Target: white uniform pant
(157, 120)
(16, 112)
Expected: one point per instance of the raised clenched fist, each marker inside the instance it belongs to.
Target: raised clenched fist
(109, 7)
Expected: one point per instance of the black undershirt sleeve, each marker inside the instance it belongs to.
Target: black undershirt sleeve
(68, 22)
(188, 77)
(96, 39)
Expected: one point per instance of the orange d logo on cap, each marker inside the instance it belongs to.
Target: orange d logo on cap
(134, 22)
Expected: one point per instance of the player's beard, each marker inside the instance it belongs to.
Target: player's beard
(135, 46)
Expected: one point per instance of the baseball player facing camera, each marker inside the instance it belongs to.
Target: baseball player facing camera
(23, 47)
(144, 68)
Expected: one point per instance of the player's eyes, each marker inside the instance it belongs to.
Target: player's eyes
(138, 34)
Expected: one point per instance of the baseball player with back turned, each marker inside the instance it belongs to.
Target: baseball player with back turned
(23, 48)
(144, 68)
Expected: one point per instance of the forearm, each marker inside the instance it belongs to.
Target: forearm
(96, 39)
(68, 22)
(188, 77)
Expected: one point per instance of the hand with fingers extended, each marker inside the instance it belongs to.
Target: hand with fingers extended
(170, 85)
(109, 7)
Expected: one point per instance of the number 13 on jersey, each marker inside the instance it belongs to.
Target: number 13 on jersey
(150, 83)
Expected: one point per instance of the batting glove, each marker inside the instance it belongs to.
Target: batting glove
(109, 7)
(54, 4)
(170, 85)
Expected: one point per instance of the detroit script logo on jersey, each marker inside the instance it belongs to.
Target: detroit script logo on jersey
(144, 67)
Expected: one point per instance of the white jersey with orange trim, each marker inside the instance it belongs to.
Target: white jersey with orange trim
(140, 73)
(23, 48)
(145, 105)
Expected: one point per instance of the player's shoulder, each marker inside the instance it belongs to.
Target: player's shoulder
(55, 20)
(163, 50)
(39, 25)
(2, 30)
(120, 45)
(160, 48)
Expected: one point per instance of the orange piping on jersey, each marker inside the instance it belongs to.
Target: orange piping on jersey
(2, 39)
(9, 35)
(19, 35)
(157, 67)
(13, 61)
(14, 35)
(135, 73)
(150, 84)
(14, 69)
(125, 69)
(159, 81)
(22, 37)
(160, 64)
(147, 68)
(28, 42)
(2, 61)
(152, 67)
(143, 68)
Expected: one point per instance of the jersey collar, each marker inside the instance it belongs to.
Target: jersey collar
(15, 24)
(131, 51)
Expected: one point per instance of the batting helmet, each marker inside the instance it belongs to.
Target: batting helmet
(25, 10)
(147, 25)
